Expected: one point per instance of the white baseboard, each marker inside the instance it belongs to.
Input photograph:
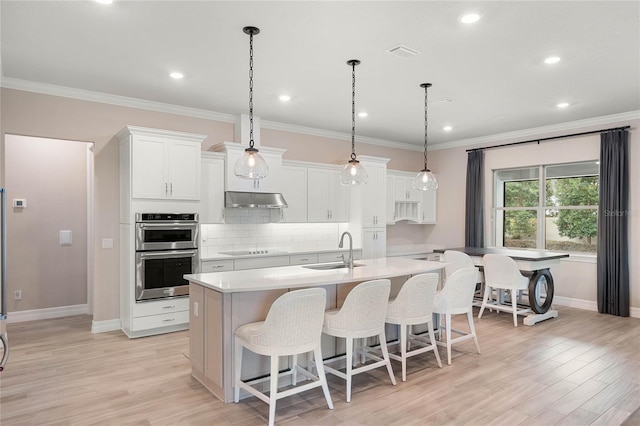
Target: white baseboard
(104, 326)
(46, 313)
(588, 305)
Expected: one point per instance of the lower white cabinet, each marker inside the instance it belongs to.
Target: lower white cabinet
(303, 259)
(216, 265)
(159, 314)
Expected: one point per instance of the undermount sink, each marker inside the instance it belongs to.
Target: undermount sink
(325, 266)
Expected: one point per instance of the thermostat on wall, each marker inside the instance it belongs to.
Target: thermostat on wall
(19, 202)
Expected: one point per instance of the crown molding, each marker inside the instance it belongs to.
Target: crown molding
(86, 95)
(538, 131)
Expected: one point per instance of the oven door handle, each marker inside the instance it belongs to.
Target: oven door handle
(168, 225)
(167, 254)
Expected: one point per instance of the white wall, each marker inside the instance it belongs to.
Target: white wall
(575, 279)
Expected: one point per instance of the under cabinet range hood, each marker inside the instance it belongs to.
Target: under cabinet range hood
(252, 200)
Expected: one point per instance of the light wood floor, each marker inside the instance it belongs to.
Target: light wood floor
(581, 368)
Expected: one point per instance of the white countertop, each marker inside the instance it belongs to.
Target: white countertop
(299, 276)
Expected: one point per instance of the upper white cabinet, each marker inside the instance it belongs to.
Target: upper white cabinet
(391, 201)
(273, 157)
(374, 193)
(428, 207)
(212, 201)
(374, 243)
(403, 189)
(161, 164)
(294, 190)
(327, 199)
(410, 204)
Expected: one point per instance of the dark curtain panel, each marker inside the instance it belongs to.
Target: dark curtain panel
(474, 213)
(613, 212)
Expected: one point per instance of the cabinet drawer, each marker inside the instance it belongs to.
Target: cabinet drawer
(164, 306)
(216, 266)
(262, 262)
(303, 259)
(157, 321)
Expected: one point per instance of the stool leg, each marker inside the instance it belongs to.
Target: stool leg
(294, 370)
(237, 372)
(432, 337)
(349, 361)
(323, 378)
(448, 338)
(385, 355)
(403, 350)
(472, 328)
(273, 390)
(515, 307)
(485, 299)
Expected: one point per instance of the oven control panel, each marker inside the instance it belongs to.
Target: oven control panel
(166, 217)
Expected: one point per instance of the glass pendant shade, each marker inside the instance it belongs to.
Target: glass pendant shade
(251, 165)
(353, 174)
(425, 181)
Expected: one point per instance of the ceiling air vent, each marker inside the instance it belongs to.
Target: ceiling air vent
(403, 51)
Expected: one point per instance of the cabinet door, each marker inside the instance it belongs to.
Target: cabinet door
(317, 195)
(183, 163)
(338, 198)
(149, 179)
(212, 200)
(391, 201)
(374, 243)
(294, 190)
(429, 206)
(374, 196)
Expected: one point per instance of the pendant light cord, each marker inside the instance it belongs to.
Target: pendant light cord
(353, 110)
(426, 122)
(251, 90)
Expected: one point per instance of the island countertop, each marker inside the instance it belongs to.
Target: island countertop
(301, 276)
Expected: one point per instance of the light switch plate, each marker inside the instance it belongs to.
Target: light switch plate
(20, 203)
(66, 238)
(107, 243)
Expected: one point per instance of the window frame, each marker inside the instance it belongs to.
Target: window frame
(497, 211)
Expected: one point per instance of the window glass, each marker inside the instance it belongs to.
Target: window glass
(521, 193)
(572, 230)
(520, 228)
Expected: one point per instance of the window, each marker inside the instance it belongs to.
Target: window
(553, 207)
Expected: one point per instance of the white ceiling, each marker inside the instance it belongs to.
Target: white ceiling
(493, 70)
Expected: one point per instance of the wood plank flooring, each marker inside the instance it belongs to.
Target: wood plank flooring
(579, 369)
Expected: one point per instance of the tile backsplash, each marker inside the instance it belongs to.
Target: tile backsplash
(256, 233)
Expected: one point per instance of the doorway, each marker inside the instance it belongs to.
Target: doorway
(49, 186)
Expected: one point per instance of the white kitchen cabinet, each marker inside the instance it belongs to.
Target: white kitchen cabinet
(327, 199)
(428, 207)
(374, 193)
(271, 183)
(216, 266)
(163, 164)
(374, 243)
(294, 190)
(212, 184)
(260, 262)
(391, 201)
(403, 189)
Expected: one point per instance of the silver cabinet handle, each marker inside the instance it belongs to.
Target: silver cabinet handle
(168, 320)
(166, 189)
(169, 307)
(171, 189)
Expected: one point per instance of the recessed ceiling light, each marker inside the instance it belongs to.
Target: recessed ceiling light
(563, 104)
(104, 1)
(285, 98)
(447, 128)
(362, 114)
(552, 60)
(176, 75)
(470, 18)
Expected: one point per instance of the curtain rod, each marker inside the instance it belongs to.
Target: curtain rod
(548, 139)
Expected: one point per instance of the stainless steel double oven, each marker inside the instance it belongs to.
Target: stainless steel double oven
(166, 249)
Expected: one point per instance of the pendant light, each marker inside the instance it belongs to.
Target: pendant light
(251, 165)
(425, 180)
(353, 173)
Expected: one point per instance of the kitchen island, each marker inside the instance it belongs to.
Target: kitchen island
(222, 301)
